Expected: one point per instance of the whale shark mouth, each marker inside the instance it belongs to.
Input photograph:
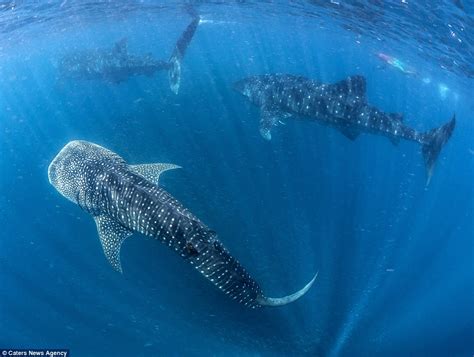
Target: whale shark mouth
(52, 172)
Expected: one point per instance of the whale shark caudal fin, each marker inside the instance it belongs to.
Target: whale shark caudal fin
(433, 142)
(174, 72)
(152, 172)
(111, 235)
(268, 301)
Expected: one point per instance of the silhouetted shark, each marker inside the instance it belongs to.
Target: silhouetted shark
(117, 64)
(342, 105)
(126, 198)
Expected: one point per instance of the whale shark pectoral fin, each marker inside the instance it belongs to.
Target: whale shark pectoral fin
(265, 133)
(152, 172)
(111, 235)
(349, 133)
(395, 141)
(268, 119)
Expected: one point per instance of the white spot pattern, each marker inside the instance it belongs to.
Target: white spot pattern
(341, 105)
(123, 202)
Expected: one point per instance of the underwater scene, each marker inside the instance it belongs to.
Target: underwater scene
(237, 178)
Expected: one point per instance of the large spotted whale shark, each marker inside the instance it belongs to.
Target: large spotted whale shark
(342, 105)
(116, 65)
(124, 199)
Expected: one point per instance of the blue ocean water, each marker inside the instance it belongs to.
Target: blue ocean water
(395, 257)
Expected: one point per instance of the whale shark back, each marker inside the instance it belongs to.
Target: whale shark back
(353, 86)
(212, 260)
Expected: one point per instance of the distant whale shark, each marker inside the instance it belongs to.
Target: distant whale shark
(342, 105)
(126, 198)
(117, 64)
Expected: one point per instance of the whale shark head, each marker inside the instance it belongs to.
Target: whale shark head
(258, 89)
(78, 161)
(67, 170)
(246, 86)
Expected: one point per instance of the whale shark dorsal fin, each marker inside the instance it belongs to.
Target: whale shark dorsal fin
(152, 172)
(353, 84)
(121, 47)
(111, 235)
(396, 116)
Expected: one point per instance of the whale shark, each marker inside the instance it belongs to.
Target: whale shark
(115, 65)
(124, 199)
(341, 105)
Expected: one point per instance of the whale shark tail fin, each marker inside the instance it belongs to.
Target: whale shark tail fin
(433, 142)
(268, 301)
(174, 72)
